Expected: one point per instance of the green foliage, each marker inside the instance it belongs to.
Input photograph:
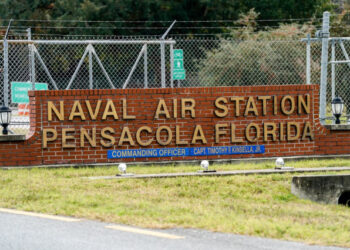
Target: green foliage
(151, 10)
(265, 57)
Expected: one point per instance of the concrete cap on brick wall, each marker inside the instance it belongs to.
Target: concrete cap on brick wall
(12, 137)
(338, 126)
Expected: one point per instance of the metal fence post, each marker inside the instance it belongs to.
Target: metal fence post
(171, 65)
(308, 55)
(6, 73)
(145, 67)
(162, 63)
(29, 35)
(6, 66)
(90, 70)
(33, 65)
(333, 69)
(162, 53)
(324, 64)
(31, 59)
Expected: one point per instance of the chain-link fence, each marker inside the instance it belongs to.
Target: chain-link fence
(101, 64)
(244, 63)
(208, 62)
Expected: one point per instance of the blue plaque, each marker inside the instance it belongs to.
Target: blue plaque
(179, 152)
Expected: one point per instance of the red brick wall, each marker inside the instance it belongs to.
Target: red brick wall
(143, 103)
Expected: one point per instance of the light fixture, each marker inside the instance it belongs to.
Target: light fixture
(122, 169)
(205, 166)
(337, 108)
(5, 118)
(279, 163)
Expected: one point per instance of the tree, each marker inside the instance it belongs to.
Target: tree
(150, 10)
(266, 57)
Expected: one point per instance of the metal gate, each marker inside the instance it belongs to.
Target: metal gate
(334, 69)
(84, 64)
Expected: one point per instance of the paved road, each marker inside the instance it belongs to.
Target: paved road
(29, 232)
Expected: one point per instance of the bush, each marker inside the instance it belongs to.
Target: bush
(250, 57)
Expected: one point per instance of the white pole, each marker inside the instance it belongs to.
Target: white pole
(145, 67)
(324, 64)
(308, 55)
(171, 66)
(333, 69)
(90, 71)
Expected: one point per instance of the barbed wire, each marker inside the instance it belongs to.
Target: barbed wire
(141, 27)
(22, 30)
(105, 27)
(184, 34)
(162, 21)
(45, 34)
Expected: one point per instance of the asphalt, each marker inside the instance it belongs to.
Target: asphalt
(29, 232)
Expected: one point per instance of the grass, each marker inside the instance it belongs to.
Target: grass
(259, 205)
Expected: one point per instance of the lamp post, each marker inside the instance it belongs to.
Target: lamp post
(5, 118)
(337, 108)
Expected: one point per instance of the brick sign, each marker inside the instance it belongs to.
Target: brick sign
(105, 126)
(270, 114)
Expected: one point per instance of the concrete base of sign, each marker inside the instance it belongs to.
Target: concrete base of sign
(324, 188)
(338, 126)
(12, 137)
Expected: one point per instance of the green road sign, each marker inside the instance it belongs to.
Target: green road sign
(19, 91)
(178, 54)
(178, 65)
(179, 75)
(179, 72)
